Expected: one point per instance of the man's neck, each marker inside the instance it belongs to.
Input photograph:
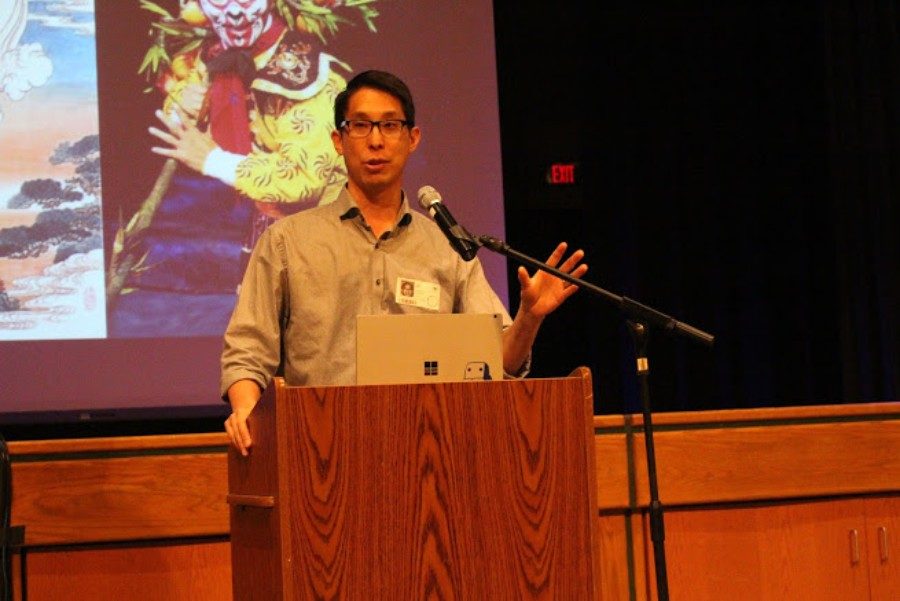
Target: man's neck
(379, 207)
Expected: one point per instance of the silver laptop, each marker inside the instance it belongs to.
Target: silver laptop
(428, 347)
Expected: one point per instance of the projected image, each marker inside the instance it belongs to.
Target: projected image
(254, 82)
(51, 246)
(127, 293)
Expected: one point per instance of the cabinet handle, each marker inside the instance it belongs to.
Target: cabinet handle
(883, 543)
(854, 546)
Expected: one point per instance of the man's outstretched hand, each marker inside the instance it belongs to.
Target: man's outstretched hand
(543, 292)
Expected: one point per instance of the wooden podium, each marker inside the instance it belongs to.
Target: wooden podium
(467, 491)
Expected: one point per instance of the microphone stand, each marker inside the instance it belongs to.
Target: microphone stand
(639, 317)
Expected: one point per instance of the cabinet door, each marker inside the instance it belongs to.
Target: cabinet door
(811, 551)
(883, 545)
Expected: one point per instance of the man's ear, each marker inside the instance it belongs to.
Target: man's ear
(415, 135)
(337, 141)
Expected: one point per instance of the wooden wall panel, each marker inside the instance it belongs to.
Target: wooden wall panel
(190, 571)
(622, 555)
(752, 454)
(136, 518)
(120, 489)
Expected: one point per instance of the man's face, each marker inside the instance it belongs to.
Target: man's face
(376, 161)
(239, 23)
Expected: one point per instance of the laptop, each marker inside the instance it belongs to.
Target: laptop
(428, 347)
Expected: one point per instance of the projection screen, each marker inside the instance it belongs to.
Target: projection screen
(117, 274)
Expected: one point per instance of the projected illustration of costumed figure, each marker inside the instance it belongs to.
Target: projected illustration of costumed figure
(265, 93)
(249, 107)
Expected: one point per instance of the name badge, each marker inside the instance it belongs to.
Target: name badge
(418, 293)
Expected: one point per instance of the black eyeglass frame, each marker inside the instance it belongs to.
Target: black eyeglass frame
(346, 123)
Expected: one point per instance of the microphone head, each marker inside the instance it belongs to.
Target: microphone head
(428, 196)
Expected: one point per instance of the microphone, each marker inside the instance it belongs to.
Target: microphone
(461, 240)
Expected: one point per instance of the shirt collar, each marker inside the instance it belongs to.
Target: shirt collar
(348, 209)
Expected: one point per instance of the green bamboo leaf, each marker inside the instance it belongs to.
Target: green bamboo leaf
(313, 10)
(155, 8)
(142, 264)
(190, 46)
(148, 58)
(285, 13)
(152, 59)
(168, 29)
(119, 241)
(312, 25)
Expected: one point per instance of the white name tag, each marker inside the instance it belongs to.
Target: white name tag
(418, 293)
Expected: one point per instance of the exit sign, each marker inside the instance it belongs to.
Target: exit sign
(562, 174)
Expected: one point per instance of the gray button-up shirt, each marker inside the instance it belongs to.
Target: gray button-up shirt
(313, 272)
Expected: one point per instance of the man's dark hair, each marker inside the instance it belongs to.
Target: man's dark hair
(380, 80)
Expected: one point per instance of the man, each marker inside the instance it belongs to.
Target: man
(252, 108)
(312, 273)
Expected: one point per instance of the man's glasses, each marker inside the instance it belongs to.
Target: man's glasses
(360, 128)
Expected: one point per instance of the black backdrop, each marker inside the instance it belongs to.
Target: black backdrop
(738, 170)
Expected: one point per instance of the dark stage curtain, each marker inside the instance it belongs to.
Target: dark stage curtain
(862, 57)
(738, 172)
